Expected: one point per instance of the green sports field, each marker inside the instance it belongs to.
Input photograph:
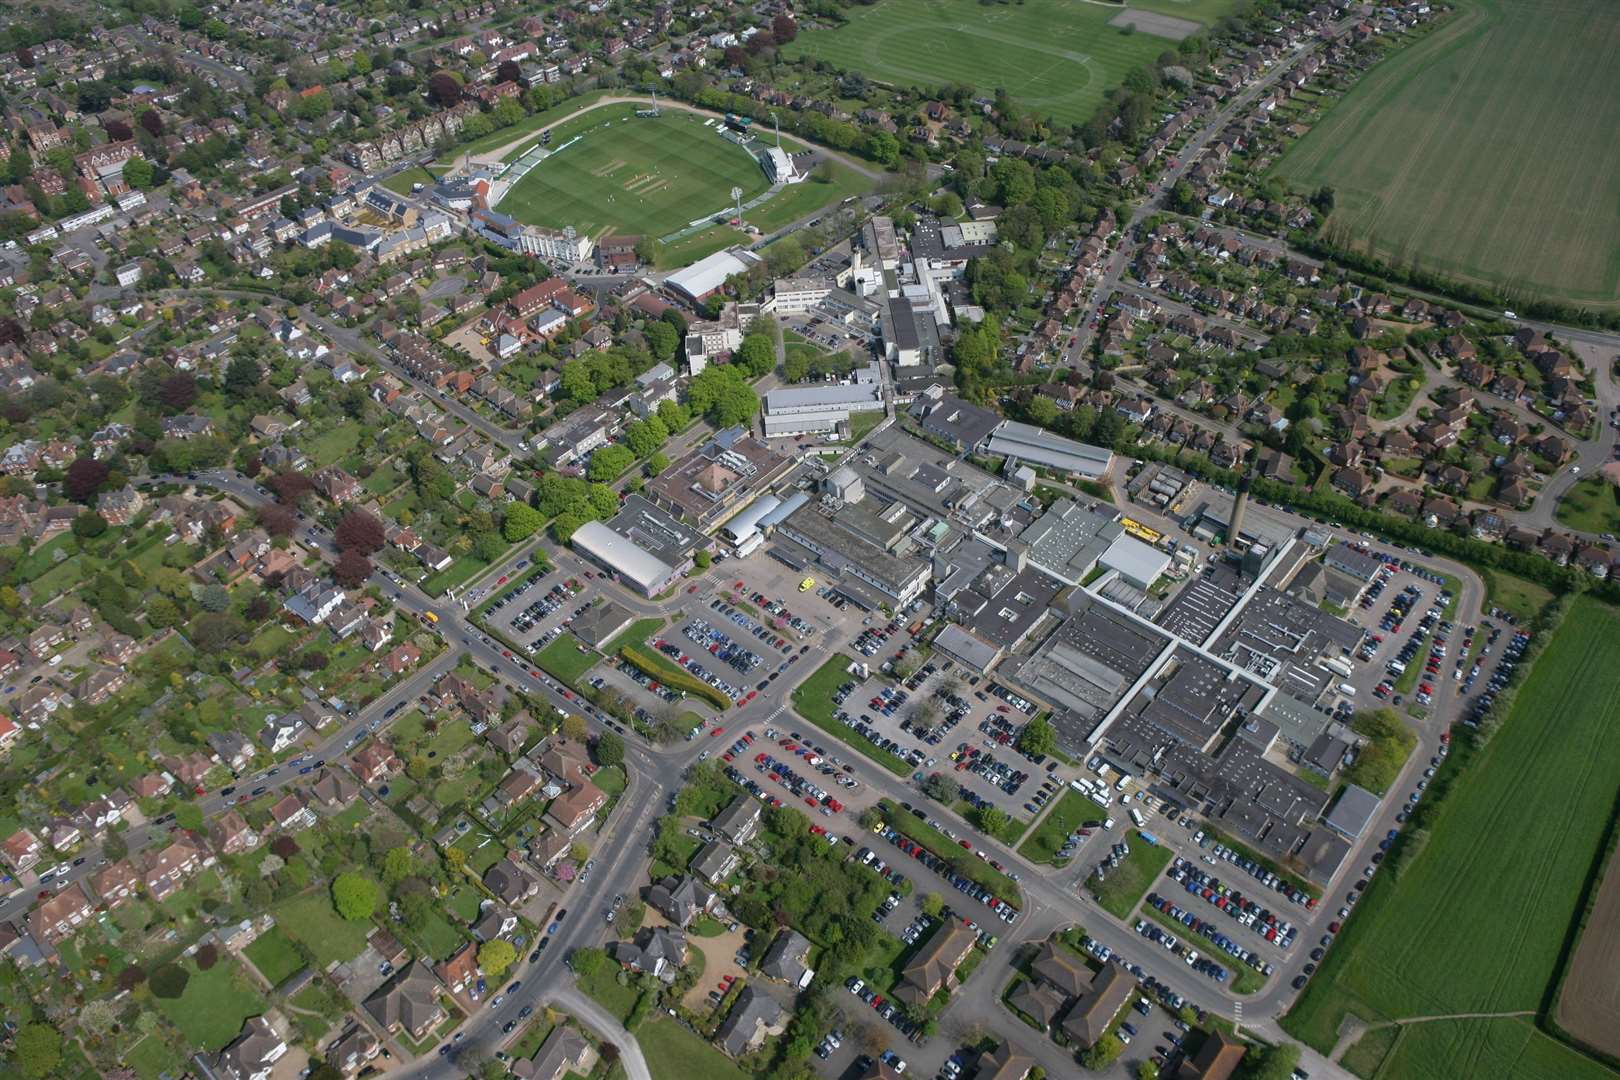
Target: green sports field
(1056, 57)
(1486, 151)
(634, 175)
(1477, 923)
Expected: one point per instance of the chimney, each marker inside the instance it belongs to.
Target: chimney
(1235, 527)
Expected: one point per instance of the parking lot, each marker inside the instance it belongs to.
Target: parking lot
(533, 612)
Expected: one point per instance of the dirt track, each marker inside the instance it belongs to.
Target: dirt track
(1589, 1002)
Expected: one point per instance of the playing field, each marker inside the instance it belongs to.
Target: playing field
(633, 175)
(1056, 57)
(1487, 151)
(1476, 924)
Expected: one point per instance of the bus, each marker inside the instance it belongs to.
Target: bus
(430, 617)
(742, 124)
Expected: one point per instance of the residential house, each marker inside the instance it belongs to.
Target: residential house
(510, 883)
(57, 917)
(231, 834)
(565, 1052)
(375, 762)
(167, 870)
(754, 1015)
(715, 862)
(1088, 1019)
(116, 882)
(291, 813)
(1217, 1058)
(739, 821)
(280, 732)
(334, 789)
(933, 967)
(407, 1003)
(656, 950)
(788, 959)
(680, 900)
(252, 1055)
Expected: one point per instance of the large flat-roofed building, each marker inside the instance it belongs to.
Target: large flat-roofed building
(1286, 643)
(1353, 812)
(1137, 563)
(656, 532)
(624, 559)
(719, 478)
(1026, 442)
(703, 278)
(960, 424)
(1087, 666)
(860, 542)
(882, 245)
(800, 410)
(1068, 540)
(796, 296)
(967, 648)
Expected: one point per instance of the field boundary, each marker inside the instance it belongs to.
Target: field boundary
(1605, 876)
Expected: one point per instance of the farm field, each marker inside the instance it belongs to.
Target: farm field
(1485, 152)
(633, 175)
(1478, 921)
(1589, 1001)
(1056, 57)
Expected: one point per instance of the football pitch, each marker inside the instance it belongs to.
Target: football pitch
(1464, 945)
(635, 175)
(1486, 151)
(1055, 57)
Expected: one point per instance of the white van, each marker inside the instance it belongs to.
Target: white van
(1136, 816)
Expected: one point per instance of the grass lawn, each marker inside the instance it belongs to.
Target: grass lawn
(311, 919)
(803, 199)
(634, 175)
(567, 658)
(699, 245)
(1592, 505)
(674, 1053)
(1130, 880)
(458, 573)
(812, 699)
(402, 182)
(1506, 863)
(1520, 598)
(275, 955)
(528, 125)
(1043, 844)
(215, 1002)
(653, 663)
(636, 633)
(604, 988)
(1056, 59)
(1428, 153)
(334, 443)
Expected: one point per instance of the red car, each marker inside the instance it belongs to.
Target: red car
(965, 843)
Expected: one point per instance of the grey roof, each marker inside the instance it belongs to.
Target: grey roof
(967, 648)
(1355, 808)
(1029, 443)
(787, 957)
(409, 999)
(738, 818)
(1069, 538)
(622, 553)
(710, 863)
(752, 1012)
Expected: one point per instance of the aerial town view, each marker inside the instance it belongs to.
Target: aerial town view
(809, 539)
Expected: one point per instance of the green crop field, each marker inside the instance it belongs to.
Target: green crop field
(633, 175)
(1477, 922)
(1485, 151)
(1056, 57)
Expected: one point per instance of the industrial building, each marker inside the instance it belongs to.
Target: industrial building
(624, 559)
(703, 278)
(801, 410)
(719, 478)
(1025, 442)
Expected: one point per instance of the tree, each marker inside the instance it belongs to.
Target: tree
(942, 788)
(1041, 410)
(933, 905)
(1274, 1062)
(84, 478)
(351, 569)
(703, 560)
(277, 520)
(521, 522)
(573, 727)
(609, 749)
(360, 531)
(39, 1050)
(207, 956)
(721, 394)
(992, 819)
(488, 545)
(657, 463)
(398, 864)
(1038, 737)
(242, 375)
(609, 461)
(784, 29)
(588, 961)
(444, 88)
(178, 391)
(354, 895)
(291, 487)
(756, 354)
(494, 957)
(1102, 1053)
(169, 981)
(662, 339)
(89, 525)
(508, 71)
(214, 598)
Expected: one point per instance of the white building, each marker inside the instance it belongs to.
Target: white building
(798, 410)
(779, 166)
